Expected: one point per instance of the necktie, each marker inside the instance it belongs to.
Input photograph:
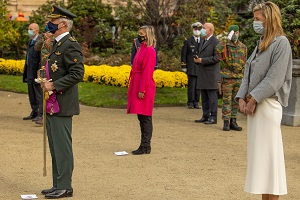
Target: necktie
(197, 40)
(54, 42)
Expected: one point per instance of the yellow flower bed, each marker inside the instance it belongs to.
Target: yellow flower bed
(106, 75)
(11, 67)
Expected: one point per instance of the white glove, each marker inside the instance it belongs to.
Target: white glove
(230, 34)
(184, 69)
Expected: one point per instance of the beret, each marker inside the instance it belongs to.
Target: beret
(233, 28)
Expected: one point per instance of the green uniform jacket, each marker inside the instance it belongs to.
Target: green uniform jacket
(66, 70)
(233, 59)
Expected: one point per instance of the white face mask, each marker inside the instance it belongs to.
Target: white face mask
(258, 27)
(196, 32)
(203, 32)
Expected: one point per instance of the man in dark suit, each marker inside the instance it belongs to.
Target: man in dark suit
(32, 65)
(189, 50)
(208, 75)
(66, 70)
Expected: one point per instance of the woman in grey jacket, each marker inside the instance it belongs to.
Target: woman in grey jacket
(263, 92)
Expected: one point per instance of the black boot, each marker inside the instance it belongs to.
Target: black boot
(234, 125)
(142, 150)
(226, 126)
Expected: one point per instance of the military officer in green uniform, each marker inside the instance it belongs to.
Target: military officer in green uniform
(66, 70)
(232, 55)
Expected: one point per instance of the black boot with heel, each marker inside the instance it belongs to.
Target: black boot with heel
(142, 150)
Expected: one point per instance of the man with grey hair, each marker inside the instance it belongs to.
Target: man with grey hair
(189, 51)
(64, 69)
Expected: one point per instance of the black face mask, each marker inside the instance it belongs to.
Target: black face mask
(141, 38)
(52, 27)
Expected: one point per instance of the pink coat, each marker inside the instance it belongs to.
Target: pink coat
(141, 80)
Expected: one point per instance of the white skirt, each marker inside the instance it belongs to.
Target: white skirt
(265, 166)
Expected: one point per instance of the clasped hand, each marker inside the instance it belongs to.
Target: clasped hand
(247, 108)
(197, 60)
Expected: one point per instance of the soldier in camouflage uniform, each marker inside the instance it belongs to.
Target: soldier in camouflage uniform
(233, 55)
(44, 45)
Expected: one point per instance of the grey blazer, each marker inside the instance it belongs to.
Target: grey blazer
(271, 73)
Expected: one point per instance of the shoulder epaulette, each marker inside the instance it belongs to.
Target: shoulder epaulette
(72, 39)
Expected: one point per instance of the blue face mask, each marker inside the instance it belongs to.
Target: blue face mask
(258, 27)
(203, 32)
(30, 33)
(52, 27)
(46, 28)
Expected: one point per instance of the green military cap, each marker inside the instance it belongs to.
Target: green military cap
(233, 28)
(58, 12)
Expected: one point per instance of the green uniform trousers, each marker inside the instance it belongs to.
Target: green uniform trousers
(230, 87)
(59, 131)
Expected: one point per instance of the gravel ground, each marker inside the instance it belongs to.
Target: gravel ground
(188, 161)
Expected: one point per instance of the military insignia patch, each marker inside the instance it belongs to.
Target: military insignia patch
(72, 39)
(57, 53)
(75, 60)
(59, 44)
(54, 67)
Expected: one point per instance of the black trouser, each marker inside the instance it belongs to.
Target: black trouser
(35, 93)
(193, 93)
(146, 129)
(209, 103)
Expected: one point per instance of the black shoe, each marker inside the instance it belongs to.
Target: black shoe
(40, 122)
(47, 191)
(211, 121)
(37, 118)
(142, 150)
(196, 105)
(234, 125)
(59, 194)
(29, 117)
(190, 105)
(203, 119)
(226, 126)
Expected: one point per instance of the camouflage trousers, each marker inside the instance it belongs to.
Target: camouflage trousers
(230, 87)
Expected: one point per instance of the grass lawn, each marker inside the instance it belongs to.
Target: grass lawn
(92, 94)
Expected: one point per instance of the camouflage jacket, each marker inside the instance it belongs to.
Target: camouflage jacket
(45, 46)
(232, 58)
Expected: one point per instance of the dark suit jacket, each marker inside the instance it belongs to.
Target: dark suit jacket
(32, 63)
(67, 55)
(189, 50)
(209, 69)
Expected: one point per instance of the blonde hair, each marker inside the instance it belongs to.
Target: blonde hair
(151, 41)
(273, 23)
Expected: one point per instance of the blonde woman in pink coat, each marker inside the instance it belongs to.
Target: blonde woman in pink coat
(141, 91)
